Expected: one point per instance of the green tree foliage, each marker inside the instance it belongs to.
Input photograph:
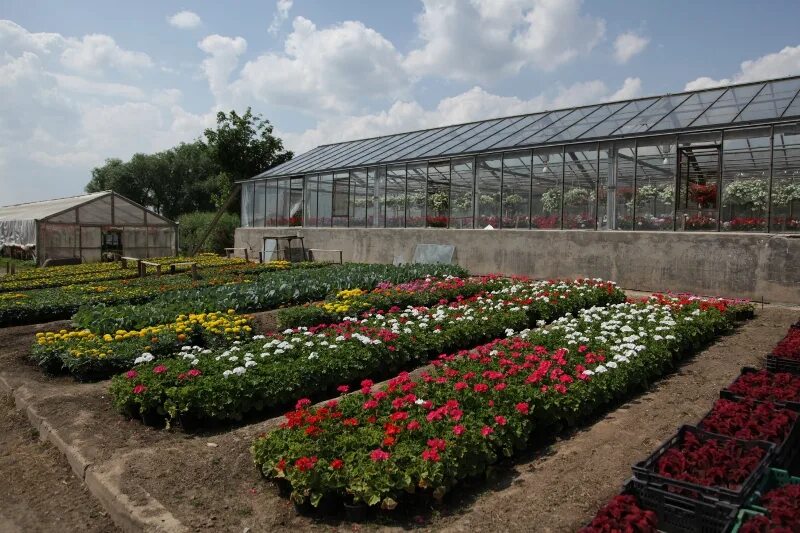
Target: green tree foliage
(196, 176)
(193, 226)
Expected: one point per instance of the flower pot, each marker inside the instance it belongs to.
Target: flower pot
(284, 487)
(355, 512)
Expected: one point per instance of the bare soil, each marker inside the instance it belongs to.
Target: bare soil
(208, 481)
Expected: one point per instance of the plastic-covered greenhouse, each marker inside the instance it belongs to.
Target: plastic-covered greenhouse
(87, 227)
(725, 158)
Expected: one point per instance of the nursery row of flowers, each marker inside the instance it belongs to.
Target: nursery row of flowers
(705, 474)
(429, 433)
(41, 305)
(352, 302)
(276, 370)
(89, 356)
(39, 278)
(268, 291)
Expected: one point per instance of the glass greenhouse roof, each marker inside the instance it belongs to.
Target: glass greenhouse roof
(735, 105)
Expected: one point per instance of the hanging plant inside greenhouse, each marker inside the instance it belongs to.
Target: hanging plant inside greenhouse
(551, 200)
(578, 197)
(747, 193)
(439, 202)
(784, 194)
(703, 195)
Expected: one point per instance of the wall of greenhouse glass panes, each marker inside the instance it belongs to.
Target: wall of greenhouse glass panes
(742, 179)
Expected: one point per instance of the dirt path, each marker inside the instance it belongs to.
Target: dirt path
(208, 481)
(39, 491)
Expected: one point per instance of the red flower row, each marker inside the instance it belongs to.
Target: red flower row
(789, 347)
(623, 513)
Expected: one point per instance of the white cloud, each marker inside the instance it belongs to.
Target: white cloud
(775, 65)
(282, 8)
(15, 38)
(223, 59)
(484, 39)
(185, 20)
(474, 104)
(627, 45)
(93, 53)
(330, 69)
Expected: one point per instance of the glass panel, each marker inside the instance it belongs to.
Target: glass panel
(468, 134)
(489, 137)
(516, 195)
(435, 140)
(771, 102)
(745, 180)
(368, 154)
(260, 204)
(325, 201)
(356, 150)
(271, 213)
(487, 184)
(341, 193)
(655, 183)
(645, 120)
(698, 169)
(438, 195)
(786, 179)
(557, 126)
(317, 159)
(616, 191)
(421, 139)
(415, 197)
(689, 110)
(247, 204)
(310, 214)
(618, 119)
(380, 152)
(284, 200)
(548, 170)
(358, 198)
(574, 131)
(396, 196)
(300, 159)
(462, 181)
(580, 187)
(542, 121)
(376, 193)
(794, 108)
(296, 203)
(604, 166)
(728, 106)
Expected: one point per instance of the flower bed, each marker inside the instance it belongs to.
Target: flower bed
(42, 305)
(269, 291)
(781, 511)
(477, 406)
(785, 357)
(351, 302)
(277, 370)
(89, 356)
(623, 514)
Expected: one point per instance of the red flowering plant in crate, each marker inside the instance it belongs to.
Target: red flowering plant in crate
(711, 462)
(750, 421)
(622, 513)
(789, 346)
(783, 512)
(767, 386)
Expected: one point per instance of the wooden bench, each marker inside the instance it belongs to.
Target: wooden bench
(230, 251)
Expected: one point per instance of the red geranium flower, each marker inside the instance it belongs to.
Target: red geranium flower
(379, 455)
(160, 369)
(336, 464)
(138, 389)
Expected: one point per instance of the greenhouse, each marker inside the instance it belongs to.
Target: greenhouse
(719, 159)
(89, 227)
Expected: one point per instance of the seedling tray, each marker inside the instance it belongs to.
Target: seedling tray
(782, 364)
(728, 395)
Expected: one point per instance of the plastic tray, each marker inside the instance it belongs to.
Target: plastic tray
(644, 471)
(782, 364)
(680, 514)
(728, 395)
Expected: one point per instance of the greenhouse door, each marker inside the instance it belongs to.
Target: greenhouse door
(699, 171)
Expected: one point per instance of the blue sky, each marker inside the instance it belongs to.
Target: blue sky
(87, 80)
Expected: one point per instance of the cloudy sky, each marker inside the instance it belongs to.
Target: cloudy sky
(87, 80)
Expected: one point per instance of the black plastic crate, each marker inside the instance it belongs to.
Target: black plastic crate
(785, 452)
(680, 514)
(728, 395)
(782, 364)
(643, 471)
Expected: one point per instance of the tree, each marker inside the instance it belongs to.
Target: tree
(196, 176)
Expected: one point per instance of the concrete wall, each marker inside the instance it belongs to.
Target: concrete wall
(724, 264)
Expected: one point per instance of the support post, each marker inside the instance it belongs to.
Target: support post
(213, 224)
